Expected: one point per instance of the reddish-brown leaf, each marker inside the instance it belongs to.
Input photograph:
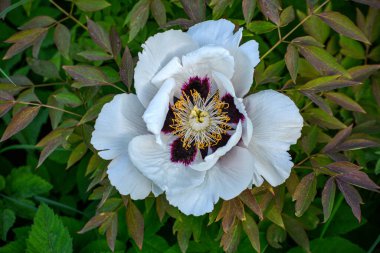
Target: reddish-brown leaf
(161, 207)
(344, 101)
(338, 138)
(376, 91)
(318, 101)
(252, 231)
(372, 3)
(343, 167)
(135, 223)
(195, 9)
(352, 197)
(99, 35)
(343, 25)
(327, 83)
(37, 45)
(21, 120)
(62, 39)
(296, 232)
(95, 222)
(328, 196)
(115, 42)
(126, 68)
(86, 75)
(249, 200)
(38, 22)
(111, 233)
(360, 73)
(138, 17)
(26, 35)
(52, 145)
(307, 41)
(5, 107)
(248, 7)
(231, 239)
(291, 60)
(357, 143)
(270, 9)
(158, 12)
(305, 193)
(231, 209)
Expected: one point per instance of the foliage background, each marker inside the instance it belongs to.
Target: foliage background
(63, 60)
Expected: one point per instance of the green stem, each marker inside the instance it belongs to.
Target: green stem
(335, 210)
(373, 247)
(47, 106)
(68, 14)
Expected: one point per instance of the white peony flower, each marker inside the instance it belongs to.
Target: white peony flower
(189, 132)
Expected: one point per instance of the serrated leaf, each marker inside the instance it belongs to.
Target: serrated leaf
(344, 101)
(24, 184)
(48, 234)
(135, 224)
(252, 231)
(62, 39)
(328, 196)
(270, 9)
(78, 152)
(99, 35)
(7, 219)
(91, 6)
(296, 232)
(260, 27)
(343, 25)
(352, 197)
(38, 22)
(323, 119)
(248, 7)
(158, 12)
(305, 193)
(86, 75)
(139, 17)
(322, 60)
(21, 120)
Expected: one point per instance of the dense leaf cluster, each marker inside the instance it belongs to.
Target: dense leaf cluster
(63, 60)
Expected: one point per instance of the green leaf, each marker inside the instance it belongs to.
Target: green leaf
(78, 152)
(270, 9)
(327, 83)
(7, 219)
(296, 232)
(275, 236)
(219, 6)
(48, 234)
(90, 6)
(251, 229)
(17, 246)
(331, 245)
(21, 120)
(272, 73)
(315, 27)
(323, 119)
(351, 48)
(99, 35)
(260, 27)
(305, 193)
(94, 110)
(62, 39)
(139, 16)
(322, 60)
(291, 60)
(343, 25)
(231, 239)
(43, 68)
(67, 98)
(22, 183)
(287, 16)
(38, 22)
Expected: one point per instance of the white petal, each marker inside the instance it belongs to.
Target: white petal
(216, 32)
(277, 124)
(118, 122)
(157, 109)
(127, 179)
(153, 161)
(223, 83)
(246, 58)
(247, 123)
(227, 179)
(170, 69)
(205, 60)
(158, 50)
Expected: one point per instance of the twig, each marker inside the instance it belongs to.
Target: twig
(47, 106)
(68, 14)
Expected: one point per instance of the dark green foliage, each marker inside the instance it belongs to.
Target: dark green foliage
(63, 60)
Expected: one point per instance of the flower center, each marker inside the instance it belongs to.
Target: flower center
(200, 121)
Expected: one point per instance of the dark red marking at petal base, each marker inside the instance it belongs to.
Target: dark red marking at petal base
(222, 142)
(204, 152)
(179, 154)
(231, 109)
(168, 121)
(202, 85)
